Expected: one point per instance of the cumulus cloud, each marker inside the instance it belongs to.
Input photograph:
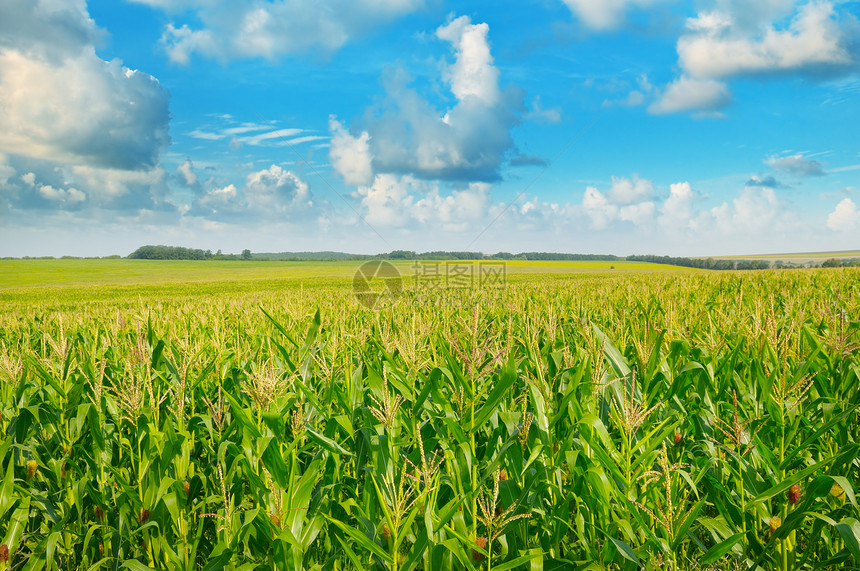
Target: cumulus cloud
(276, 190)
(404, 151)
(388, 200)
(237, 30)
(472, 74)
(605, 14)
(598, 208)
(52, 28)
(754, 211)
(62, 102)
(845, 216)
(691, 94)
(814, 42)
(46, 184)
(406, 135)
(350, 156)
(797, 165)
(734, 38)
(218, 203)
(678, 210)
(272, 193)
(405, 201)
(626, 200)
(187, 175)
(629, 191)
(119, 188)
(68, 195)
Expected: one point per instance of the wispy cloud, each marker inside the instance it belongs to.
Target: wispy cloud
(254, 134)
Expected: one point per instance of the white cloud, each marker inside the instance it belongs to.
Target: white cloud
(753, 211)
(677, 212)
(637, 96)
(639, 214)
(253, 134)
(628, 191)
(276, 190)
(472, 73)
(303, 139)
(238, 30)
(745, 15)
(598, 208)
(72, 195)
(52, 28)
(272, 193)
(48, 184)
(180, 43)
(717, 47)
(407, 135)
(797, 165)
(82, 111)
(186, 170)
(118, 188)
(845, 216)
(457, 211)
(258, 139)
(62, 102)
(691, 94)
(206, 136)
(410, 203)
(605, 14)
(350, 156)
(543, 115)
(387, 201)
(626, 200)
(218, 201)
(734, 38)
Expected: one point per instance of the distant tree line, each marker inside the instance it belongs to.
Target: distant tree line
(180, 253)
(435, 255)
(703, 263)
(837, 263)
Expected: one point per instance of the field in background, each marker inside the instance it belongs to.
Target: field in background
(241, 415)
(34, 273)
(799, 257)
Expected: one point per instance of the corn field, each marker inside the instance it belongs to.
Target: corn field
(598, 421)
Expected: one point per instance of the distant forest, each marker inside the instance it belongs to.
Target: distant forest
(704, 263)
(180, 253)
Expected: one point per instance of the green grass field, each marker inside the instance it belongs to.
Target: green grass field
(255, 415)
(30, 273)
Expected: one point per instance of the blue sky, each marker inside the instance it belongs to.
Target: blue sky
(596, 126)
